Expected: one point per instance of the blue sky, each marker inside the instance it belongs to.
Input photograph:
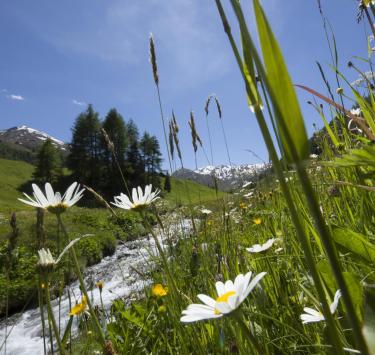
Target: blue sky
(58, 56)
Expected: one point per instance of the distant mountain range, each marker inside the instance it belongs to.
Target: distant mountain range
(227, 177)
(22, 143)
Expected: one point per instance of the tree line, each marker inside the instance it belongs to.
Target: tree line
(106, 155)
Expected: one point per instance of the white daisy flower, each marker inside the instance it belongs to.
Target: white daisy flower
(312, 315)
(52, 201)
(314, 156)
(230, 297)
(356, 111)
(248, 195)
(205, 211)
(45, 258)
(258, 248)
(139, 199)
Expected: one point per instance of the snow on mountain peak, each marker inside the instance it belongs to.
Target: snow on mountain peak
(40, 135)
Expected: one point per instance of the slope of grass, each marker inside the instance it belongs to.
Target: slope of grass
(13, 173)
(185, 192)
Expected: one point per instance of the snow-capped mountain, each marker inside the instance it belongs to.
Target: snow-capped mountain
(29, 138)
(227, 177)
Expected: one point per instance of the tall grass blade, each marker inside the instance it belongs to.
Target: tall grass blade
(282, 91)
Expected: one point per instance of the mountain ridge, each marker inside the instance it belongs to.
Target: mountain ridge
(226, 177)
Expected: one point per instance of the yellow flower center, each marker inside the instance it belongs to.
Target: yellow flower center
(57, 209)
(224, 298)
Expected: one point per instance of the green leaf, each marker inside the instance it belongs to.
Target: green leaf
(67, 331)
(357, 157)
(283, 96)
(355, 243)
(253, 96)
(356, 293)
(326, 274)
(354, 286)
(369, 326)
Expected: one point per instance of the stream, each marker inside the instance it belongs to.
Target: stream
(121, 280)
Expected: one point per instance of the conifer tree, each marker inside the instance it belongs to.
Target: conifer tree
(85, 149)
(135, 170)
(151, 158)
(167, 183)
(48, 163)
(115, 158)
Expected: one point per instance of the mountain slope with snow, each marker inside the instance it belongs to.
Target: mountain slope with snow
(227, 177)
(29, 138)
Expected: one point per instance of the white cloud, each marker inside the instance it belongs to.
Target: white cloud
(15, 97)
(79, 103)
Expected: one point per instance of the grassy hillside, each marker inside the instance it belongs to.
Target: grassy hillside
(12, 174)
(184, 192)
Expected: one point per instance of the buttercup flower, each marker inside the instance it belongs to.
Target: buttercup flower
(230, 296)
(312, 315)
(52, 201)
(79, 308)
(257, 248)
(159, 291)
(139, 199)
(257, 221)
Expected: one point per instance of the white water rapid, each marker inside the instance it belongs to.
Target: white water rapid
(121, 280)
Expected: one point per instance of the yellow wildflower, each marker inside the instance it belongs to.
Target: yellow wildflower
(159, 291)
(243, 205)
(79, 308)
(257, 221)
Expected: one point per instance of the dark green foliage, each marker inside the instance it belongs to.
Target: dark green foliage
(167, 183)
(134, 170)
(48, 164)
(16, 152)
(110, 157)
(84, 159)
(21, 284)
(151, 158)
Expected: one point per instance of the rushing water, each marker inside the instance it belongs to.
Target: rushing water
(119, 273)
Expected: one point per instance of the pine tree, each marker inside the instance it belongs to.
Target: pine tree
(85, 149)
(167, 183)
(135, 170)
(48, 164)
(151, 158)
(115, 128)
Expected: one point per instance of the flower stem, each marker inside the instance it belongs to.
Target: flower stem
(161, 252)
(83, 287)
(52, 317)
(238, 316)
